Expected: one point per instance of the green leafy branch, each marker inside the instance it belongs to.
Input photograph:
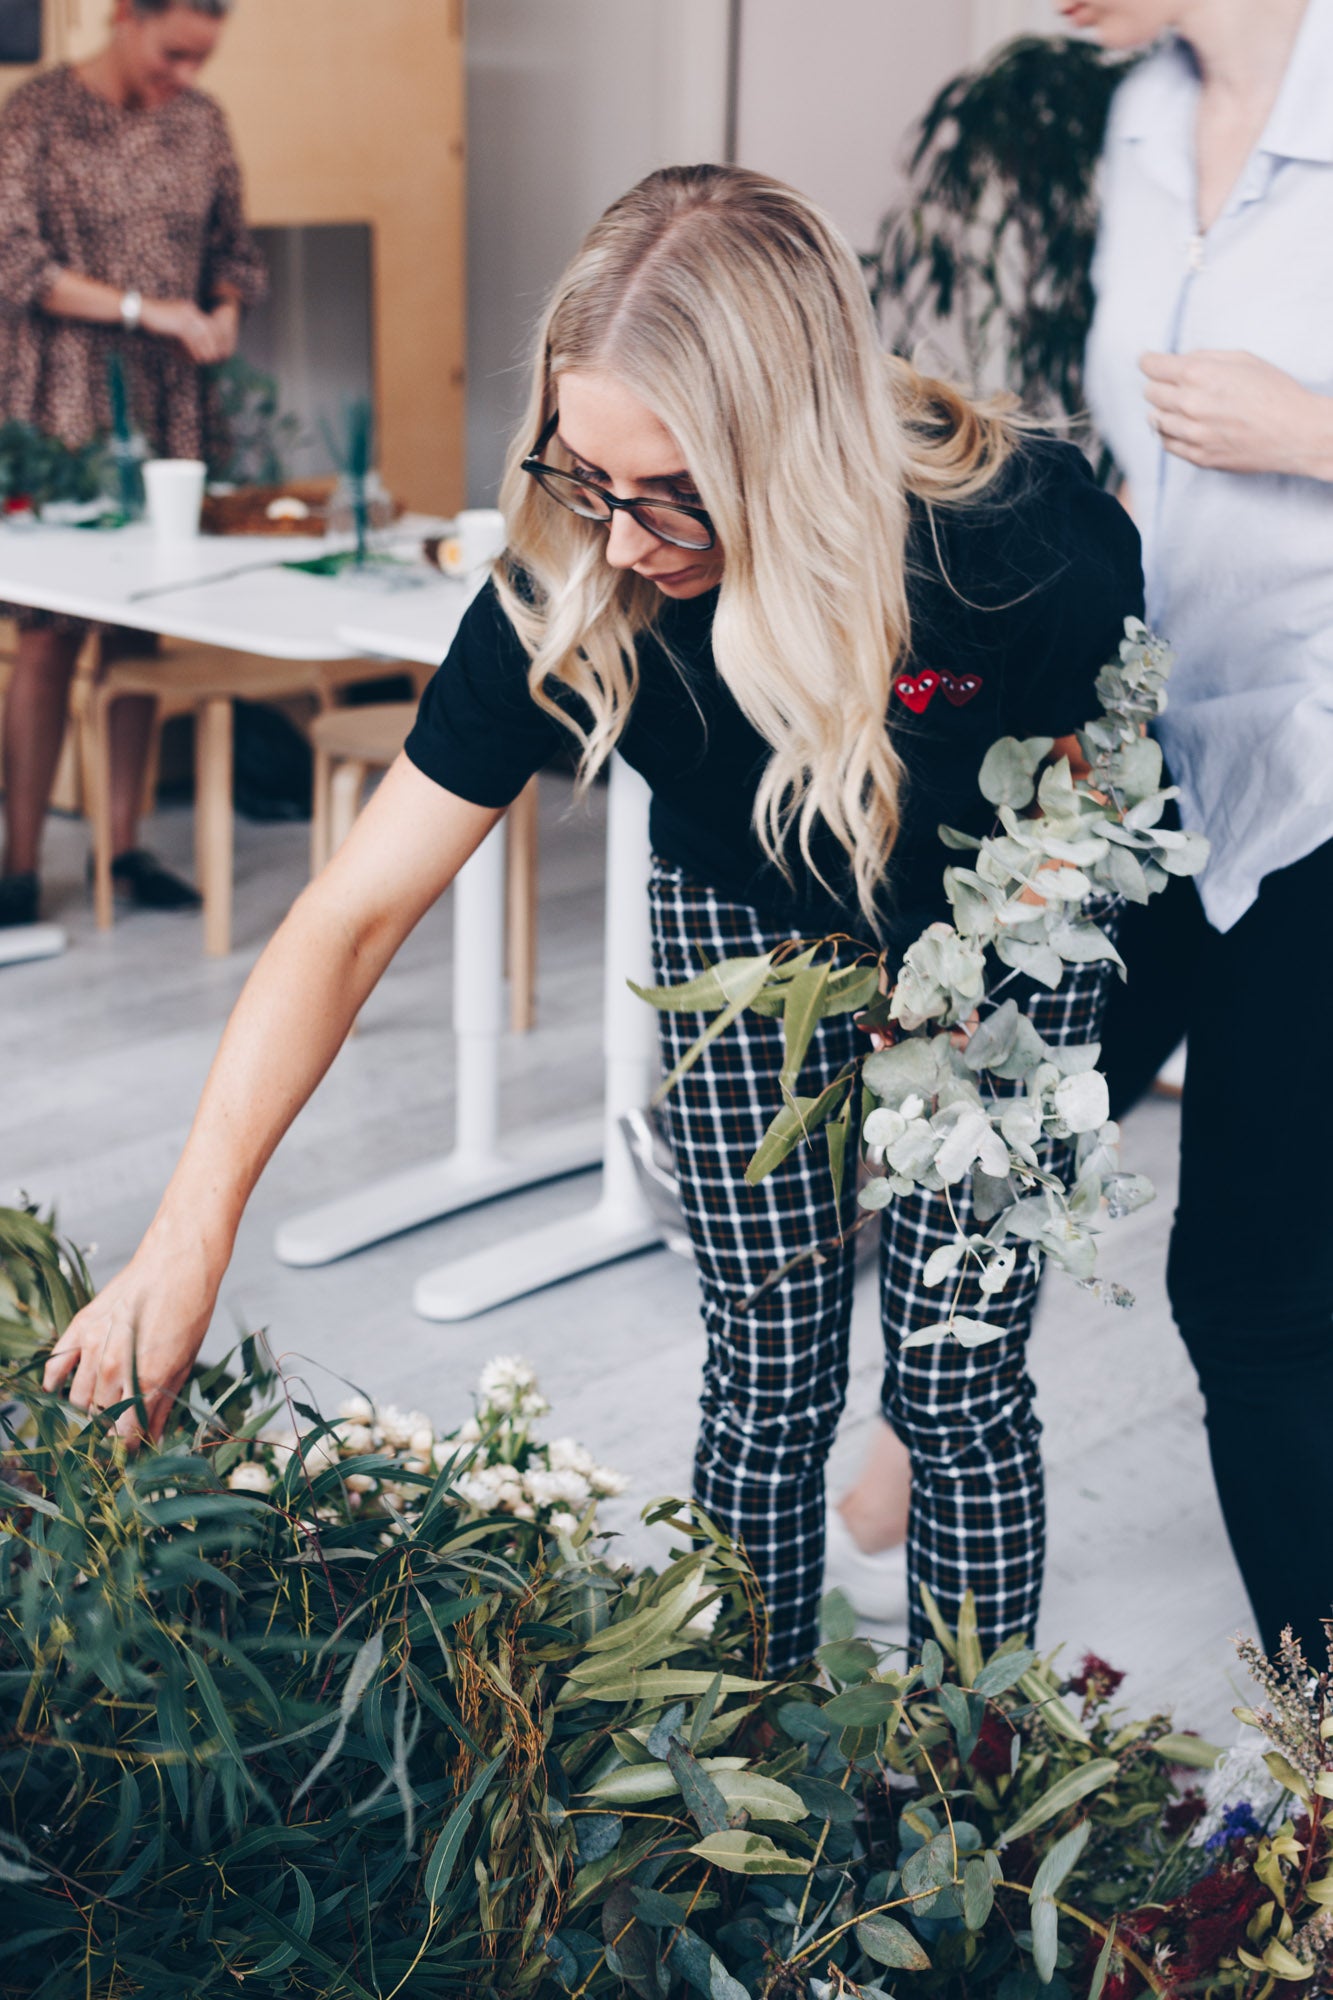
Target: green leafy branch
(968, 1086)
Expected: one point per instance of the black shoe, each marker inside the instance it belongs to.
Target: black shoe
(140, 878)
(19, 897)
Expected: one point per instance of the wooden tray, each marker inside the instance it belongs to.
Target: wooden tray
(245, 512)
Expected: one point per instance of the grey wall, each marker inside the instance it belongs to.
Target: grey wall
(569, 103)
(828, 92)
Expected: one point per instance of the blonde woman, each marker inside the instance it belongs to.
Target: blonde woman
(801, 590)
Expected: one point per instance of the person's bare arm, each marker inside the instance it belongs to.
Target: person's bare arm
(206, 336)
(288, 1025)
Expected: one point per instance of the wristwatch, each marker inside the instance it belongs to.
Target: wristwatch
(131, 309)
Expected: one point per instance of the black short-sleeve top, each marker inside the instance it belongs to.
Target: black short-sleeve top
(1016, 600)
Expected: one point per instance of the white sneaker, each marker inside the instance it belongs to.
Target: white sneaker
(876, 1585)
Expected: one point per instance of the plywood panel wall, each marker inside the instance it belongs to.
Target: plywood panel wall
(353, 111)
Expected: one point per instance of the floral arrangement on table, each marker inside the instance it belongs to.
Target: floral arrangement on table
(926, 1110)
(280, 1740)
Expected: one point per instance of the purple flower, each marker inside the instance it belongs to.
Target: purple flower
(1238, 1823)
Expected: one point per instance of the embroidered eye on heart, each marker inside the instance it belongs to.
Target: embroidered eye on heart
(960, 688)
(917, 690)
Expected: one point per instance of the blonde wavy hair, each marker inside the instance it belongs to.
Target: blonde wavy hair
(734, 310)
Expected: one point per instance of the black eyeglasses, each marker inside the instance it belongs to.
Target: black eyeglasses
(684, 527)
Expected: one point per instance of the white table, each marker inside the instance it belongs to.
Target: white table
(619, 1223)
(99, 575)
(122, 577)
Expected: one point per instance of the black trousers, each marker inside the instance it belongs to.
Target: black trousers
(1250, 1272)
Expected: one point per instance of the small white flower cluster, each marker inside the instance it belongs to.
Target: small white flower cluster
(515, 1473)
(507, 1470)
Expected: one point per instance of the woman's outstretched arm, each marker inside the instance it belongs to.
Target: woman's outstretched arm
(287, 1026)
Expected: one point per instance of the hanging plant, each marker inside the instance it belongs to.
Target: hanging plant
(993, 246)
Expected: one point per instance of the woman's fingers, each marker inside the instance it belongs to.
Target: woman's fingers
(63, 1359)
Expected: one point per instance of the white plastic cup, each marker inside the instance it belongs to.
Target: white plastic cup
(174, 490)
(476, 538)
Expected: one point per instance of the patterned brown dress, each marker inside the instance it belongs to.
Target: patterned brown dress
(143, 200)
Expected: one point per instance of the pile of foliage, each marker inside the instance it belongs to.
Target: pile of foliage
(279, 1740)
(969, 1090)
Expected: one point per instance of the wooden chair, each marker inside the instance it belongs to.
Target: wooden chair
(349, 744)
(203, 681)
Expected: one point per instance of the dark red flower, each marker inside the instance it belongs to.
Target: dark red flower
(1096, 1679)
(1183, 1813)
(992, 1754)
(1199, 1930)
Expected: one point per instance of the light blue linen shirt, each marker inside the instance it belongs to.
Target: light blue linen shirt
(1239, 567)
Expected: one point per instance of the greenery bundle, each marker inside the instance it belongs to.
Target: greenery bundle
(969, 1087)
(288, 1743)
(993, 245)
(36, 469)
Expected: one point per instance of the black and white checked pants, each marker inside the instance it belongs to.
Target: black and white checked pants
(775, 1375)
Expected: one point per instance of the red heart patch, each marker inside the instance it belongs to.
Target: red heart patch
(917, 690)
(959, 688)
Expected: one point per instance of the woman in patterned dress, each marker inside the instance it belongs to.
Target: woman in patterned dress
(121, 229)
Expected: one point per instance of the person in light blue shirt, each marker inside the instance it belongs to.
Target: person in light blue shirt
(1210, 375)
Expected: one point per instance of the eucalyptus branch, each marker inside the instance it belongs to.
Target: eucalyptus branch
(997, 1106)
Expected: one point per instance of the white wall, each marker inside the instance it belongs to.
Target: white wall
(569, 103)
(995, 21)
(829, 91)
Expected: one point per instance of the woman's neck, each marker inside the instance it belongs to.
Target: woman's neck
(105, 77)
(1242, 48)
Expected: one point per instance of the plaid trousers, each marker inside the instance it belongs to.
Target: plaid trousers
(775, 1376)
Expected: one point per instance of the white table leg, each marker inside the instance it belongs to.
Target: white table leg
(620, 1223)
(478, 1168)
(25, 941)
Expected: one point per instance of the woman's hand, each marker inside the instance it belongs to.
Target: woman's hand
(1233, 412)
(206, 337)
(310, 984)
(226, 319)
(150, 1320)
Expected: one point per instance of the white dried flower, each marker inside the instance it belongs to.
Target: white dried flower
(357, 1410)
(282, 1444)
(704, 1619)
(422, 1440)
(533, 1405)
(396, 1426)
(565, 1455)
(360, 1482)
(553, 1489)
(469, 1432)
(564, 1524)
(522, 1511)
(1240, 1775)
(505, 1381)
(247, 1477)
(319, 1453)
(606, 1482)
